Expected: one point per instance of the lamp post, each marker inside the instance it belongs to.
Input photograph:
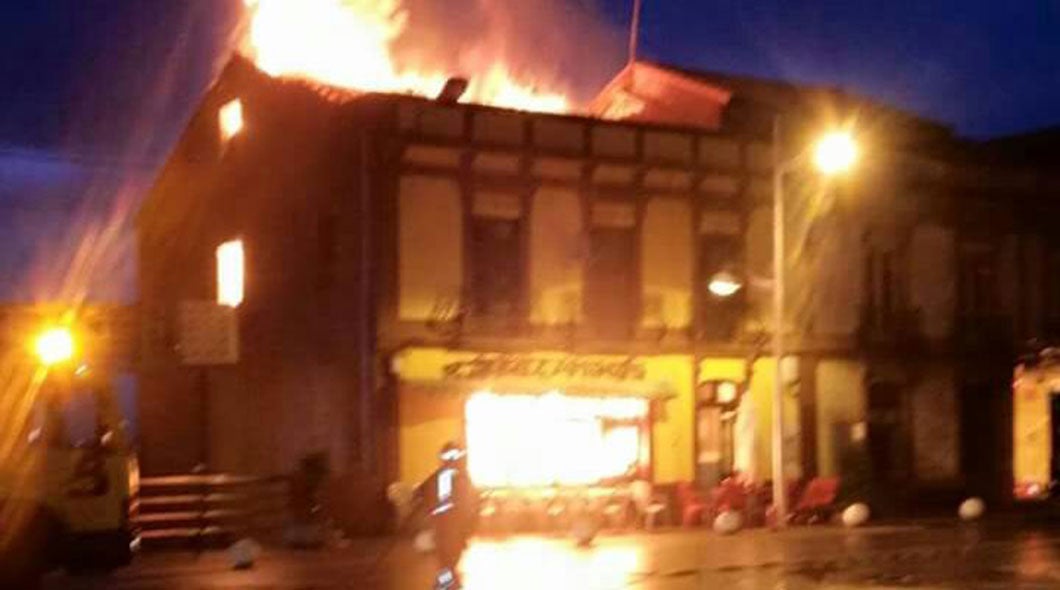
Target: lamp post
(834, 153)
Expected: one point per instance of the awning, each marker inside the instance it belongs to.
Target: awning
(528, 373)
(650, 390)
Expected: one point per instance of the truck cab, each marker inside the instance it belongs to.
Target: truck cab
(69, 479)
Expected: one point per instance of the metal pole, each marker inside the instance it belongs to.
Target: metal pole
(780, 499)
(634, 32)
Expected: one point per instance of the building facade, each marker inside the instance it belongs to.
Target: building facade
(537, 285)
(927, 268)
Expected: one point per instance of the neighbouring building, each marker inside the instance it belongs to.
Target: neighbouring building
(916, 280)
(399, 272)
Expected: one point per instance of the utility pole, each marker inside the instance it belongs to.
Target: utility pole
(634, 32)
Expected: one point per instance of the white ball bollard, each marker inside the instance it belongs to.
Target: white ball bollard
(243, 553)
(856, 515)
(971, 509)
(728, 522)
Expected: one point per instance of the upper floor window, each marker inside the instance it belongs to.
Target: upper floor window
(230, 273)
(230, 119)
(883, 290)
(720, 250)
(977, 279)
(495, 255)
(611, 285)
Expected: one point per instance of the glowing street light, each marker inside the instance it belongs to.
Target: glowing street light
(835, 153)
(724, 284)
(54, 346)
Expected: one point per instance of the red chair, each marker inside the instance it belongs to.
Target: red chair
(731, 494)
(691, 504)
(817, 502)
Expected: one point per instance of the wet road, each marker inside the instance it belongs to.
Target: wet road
(945, 555)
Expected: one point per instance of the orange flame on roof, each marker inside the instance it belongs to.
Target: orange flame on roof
(349, 44)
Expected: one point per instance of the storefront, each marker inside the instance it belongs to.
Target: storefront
(547, 419)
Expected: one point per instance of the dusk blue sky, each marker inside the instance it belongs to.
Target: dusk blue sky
(94, 92)
(98, 73)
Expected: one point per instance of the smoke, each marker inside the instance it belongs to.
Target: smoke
(562, 45)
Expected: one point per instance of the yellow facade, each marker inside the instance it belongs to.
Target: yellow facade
(557, 247)
(666, 263)
(432, 398)
(431, 265)
(435, 386)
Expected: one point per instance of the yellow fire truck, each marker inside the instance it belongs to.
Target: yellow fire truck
(68, 479)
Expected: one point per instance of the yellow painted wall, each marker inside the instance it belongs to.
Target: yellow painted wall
(840, 398)
(672, 444)
(667, 263)
(762, 394)
(556, 256)
(721, 368)
(428, 419)
(430, 245)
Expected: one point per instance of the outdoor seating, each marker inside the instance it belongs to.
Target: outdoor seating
(730, 494)
(817, 501)
(648, 508)
(691, 503)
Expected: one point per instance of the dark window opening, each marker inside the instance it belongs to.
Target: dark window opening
(883, 294)
(718, 316)
(978, 281)
(496, 266)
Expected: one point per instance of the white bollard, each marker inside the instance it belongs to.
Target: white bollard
(856, 515)
(728, 522)
(971, 509)
(243, 553)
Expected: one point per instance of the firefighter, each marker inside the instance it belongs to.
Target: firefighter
(452, 504)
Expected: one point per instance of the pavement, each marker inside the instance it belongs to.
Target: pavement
(926, 555)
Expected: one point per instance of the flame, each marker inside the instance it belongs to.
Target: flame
(349, 44)
(541, 440)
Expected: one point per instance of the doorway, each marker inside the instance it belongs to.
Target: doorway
(886, 433)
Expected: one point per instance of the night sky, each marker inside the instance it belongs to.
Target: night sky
(121, 76)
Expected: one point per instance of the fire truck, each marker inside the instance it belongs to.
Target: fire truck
(69, 480)
(1036, 424)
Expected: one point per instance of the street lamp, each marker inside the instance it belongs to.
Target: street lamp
(54, 346)
(835, 153)
(724, 284)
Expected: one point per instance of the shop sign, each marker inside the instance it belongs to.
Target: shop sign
(536, 366)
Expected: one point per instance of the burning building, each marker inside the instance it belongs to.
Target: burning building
(394, 272)
(372, 273)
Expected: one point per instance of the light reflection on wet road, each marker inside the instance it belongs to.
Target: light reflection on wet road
(949, 556)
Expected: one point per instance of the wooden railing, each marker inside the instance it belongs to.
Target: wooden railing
(205, 511)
